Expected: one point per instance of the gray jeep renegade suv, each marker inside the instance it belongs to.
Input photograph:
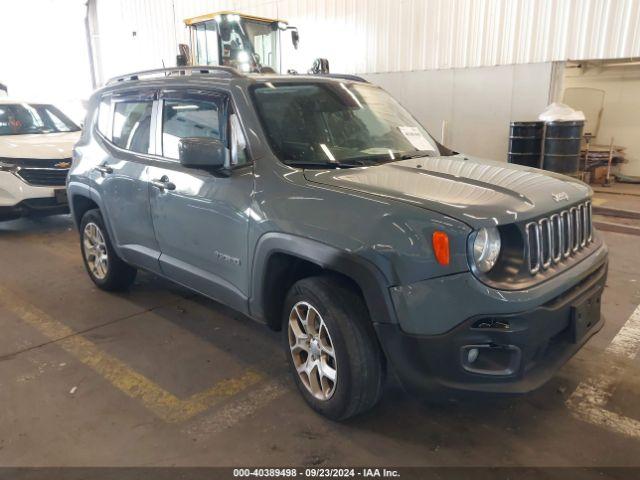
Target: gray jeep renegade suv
(319, 206)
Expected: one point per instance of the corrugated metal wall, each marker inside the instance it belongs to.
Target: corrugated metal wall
(474, 105)
(368, 36)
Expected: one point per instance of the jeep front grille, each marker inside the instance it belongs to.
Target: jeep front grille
(553, 239)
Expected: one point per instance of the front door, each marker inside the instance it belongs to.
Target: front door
(201, 220)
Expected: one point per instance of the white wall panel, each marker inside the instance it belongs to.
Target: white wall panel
(477, 104)
(365, 36)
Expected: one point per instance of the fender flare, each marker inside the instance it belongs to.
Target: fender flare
(75, 189)
(373, 283)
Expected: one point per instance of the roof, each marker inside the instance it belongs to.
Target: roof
(210, 16)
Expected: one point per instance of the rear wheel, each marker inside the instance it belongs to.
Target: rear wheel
(331, 346)
(105, 268)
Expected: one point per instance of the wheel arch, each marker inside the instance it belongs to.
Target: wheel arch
(282, 259)
(80, 202)
(83, 198)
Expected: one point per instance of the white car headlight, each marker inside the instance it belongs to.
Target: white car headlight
(486, 248)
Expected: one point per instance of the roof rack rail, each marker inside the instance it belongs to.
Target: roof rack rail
(177, 71)
(343, 76)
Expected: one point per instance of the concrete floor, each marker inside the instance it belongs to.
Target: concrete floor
(158, 376)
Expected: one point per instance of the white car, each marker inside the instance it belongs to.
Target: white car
(35, 155)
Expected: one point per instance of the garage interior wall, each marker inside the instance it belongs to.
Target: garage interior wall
(474, 64)
(475, 104)
(620, 118)
(374, 36)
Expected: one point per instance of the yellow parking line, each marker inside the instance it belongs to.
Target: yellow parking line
(133, 384)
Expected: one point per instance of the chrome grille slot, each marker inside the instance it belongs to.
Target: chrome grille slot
(533, 247)
(553, 239)
(577, 228)
(583, 220)
(568, 232)
(586, 221)
(546, 242)
(557, 237)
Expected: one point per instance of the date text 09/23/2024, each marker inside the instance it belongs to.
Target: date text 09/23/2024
(316, 472)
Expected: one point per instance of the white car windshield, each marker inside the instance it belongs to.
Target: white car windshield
(24, 118)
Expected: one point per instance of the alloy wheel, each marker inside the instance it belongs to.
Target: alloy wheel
(312, 351)
(95, 251)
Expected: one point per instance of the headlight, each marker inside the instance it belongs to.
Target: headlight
(486, 248)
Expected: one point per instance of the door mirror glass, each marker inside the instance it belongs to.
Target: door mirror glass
(200, 152)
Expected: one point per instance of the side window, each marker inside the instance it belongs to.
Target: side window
(189, 118)
(132, 125)
(104, 117)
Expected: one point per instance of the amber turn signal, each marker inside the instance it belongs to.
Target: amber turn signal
(440, 242)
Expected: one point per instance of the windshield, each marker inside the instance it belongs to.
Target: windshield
(263, 37)
(243, 42)
(340, 123)
(23, 118)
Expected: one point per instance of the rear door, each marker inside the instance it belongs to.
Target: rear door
(200, 218)
(120, 176)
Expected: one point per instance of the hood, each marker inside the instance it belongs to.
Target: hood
(477, 192)
(44, 146)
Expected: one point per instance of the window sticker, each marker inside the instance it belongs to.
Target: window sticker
(416, 138)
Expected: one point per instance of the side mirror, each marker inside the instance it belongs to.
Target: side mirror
(295, 38)
(203, 152)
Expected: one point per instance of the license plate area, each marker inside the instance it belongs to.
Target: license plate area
(584, 316)
(61, 196)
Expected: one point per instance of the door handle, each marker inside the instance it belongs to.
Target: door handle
(103, 168)
(163, 183)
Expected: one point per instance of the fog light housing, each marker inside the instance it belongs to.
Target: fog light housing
(491, 359)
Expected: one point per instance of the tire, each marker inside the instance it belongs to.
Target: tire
(112, 274)
(344, 325)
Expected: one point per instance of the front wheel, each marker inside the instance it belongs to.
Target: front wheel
(332, 348)
(104, 267)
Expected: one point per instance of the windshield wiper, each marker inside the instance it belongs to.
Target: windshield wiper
(303, 164)
(382, 158)
(418, 154)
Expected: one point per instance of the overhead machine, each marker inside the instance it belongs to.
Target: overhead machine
(245, 42)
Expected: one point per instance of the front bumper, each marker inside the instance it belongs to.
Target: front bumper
(18, 198)
(537, 342)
